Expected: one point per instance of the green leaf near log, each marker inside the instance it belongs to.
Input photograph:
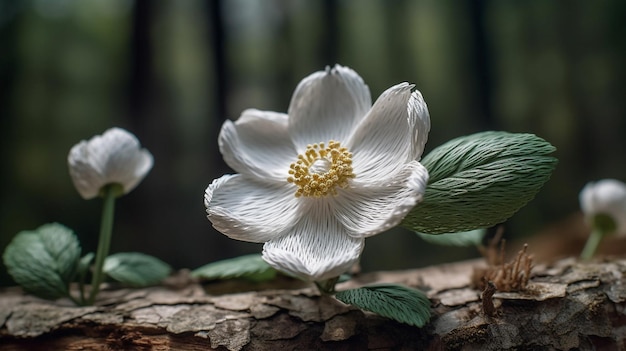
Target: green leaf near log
(136, 269)
(400, 303)
(44, 261)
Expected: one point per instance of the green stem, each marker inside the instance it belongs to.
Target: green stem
(327, 287)
(592, 244)
(104, 242)
(81, 288)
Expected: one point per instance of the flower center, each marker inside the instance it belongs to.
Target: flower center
(321, 169)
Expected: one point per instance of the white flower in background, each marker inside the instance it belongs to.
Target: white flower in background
(314, 183)
(605, 200)
(114, 157)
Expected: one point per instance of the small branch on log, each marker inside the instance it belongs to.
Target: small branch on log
(566, 305)
(487, 298)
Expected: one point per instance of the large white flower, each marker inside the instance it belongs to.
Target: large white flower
(314, 183)
(605, 197)
(114, 157)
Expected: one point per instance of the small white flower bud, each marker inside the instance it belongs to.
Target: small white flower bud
(605, 201)
(114, 157)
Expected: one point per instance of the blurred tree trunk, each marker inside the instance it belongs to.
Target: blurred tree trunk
(153, 121)
(567, 305)
(482, 63)
(9, 66)
(220, 68)
(330, 26)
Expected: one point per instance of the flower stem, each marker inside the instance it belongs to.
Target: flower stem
(592, 244)
(81, 290)
(109, 193)
(327, 287)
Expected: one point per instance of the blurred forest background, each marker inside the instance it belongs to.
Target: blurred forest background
(172, 71)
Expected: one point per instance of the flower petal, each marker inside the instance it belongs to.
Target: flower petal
(393, 133)
(326, 106)
(316, 249)
(86, 178)
(419, 118)
(113, 157)
(258, 144)
(247, 210)
(366, 210)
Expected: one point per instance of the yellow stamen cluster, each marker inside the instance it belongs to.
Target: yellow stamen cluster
(321, 169)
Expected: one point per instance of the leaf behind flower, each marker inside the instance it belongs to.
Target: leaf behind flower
(480, 180)
(462, 239)
(251, 267)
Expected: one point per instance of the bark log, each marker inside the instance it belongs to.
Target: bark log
(567, 305)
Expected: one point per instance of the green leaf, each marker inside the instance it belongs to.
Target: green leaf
(83, 264)
(480, 180)
(136, 269)
(397, 302)
(251, 267)
(470, 238)
(44, 261)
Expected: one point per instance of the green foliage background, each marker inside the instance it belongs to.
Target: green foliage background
(173, 71)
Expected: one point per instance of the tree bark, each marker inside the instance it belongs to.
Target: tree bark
(566, 305)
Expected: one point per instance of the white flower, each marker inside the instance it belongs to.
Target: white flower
(605, 197)
(314, 183)
(113, 157)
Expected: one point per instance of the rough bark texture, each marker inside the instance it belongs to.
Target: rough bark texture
(567, 305)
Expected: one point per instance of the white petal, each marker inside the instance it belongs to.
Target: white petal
(393, 133)
(258, 144)
(607, 196)
(113, 157)
(316, 249)
(247, 210)
(420, 119)
(87, 179)
(326, 106)
(368, 210)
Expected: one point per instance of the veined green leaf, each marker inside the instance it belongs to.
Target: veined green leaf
(85, 261)
(251, 267)
(397, 302)
(136, 269)
(480, 180)
(44, 261)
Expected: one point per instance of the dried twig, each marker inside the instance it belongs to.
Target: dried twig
(510, 276)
